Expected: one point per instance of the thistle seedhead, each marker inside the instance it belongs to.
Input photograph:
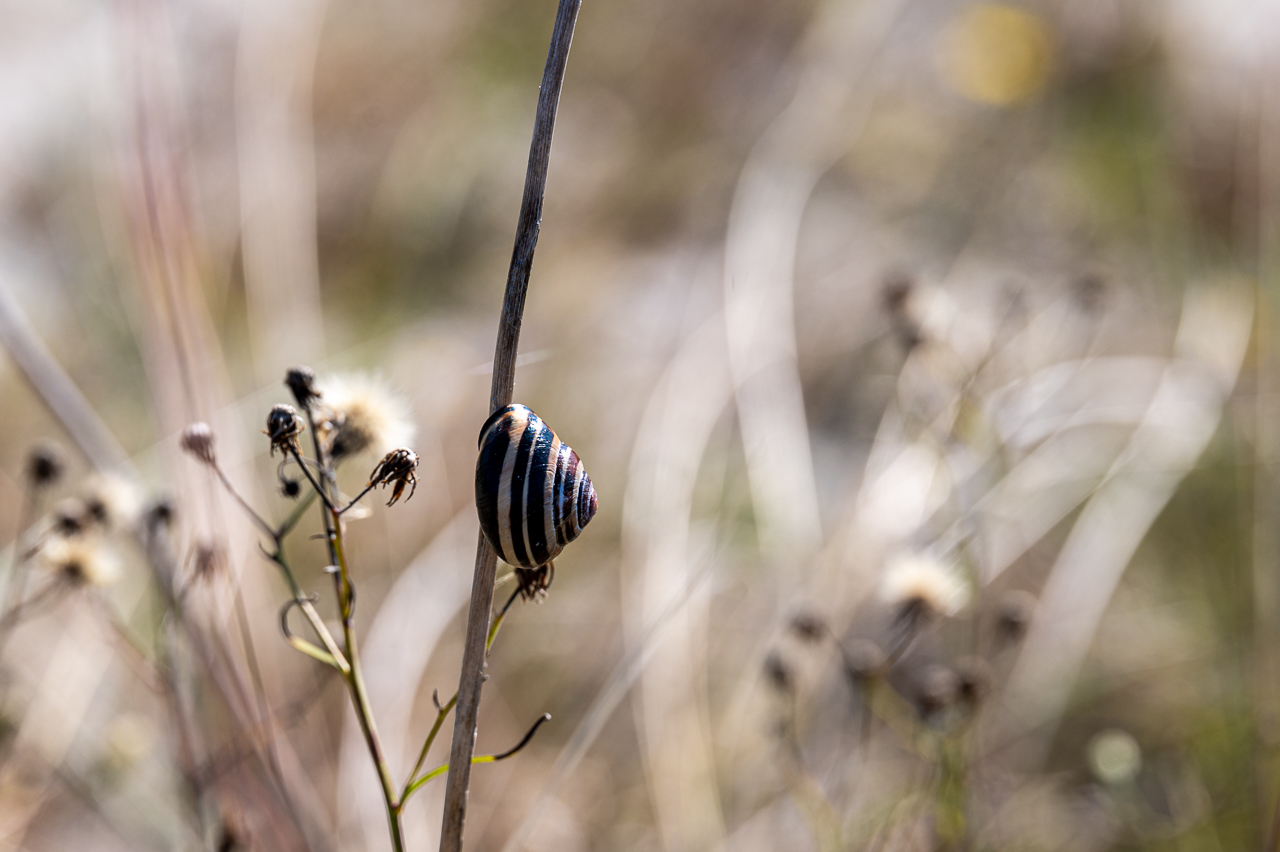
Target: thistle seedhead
(397, 467)
(361, 413)
(920, 587)
(197, 439)
(45, 464)
(301, 382)
(283, 428)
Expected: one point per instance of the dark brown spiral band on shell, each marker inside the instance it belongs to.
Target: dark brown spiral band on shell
(532, 492)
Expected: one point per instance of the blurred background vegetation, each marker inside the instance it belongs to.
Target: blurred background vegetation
(824, 287)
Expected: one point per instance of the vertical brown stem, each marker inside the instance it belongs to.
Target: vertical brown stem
(504, 372)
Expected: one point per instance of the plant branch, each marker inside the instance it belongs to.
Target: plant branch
(504, 366)
(484, 758)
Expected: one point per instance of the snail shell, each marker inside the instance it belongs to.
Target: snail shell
(532, 493)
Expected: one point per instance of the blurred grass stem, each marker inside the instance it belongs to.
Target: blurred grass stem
(504, 367)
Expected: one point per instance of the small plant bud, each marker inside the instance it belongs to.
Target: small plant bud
(975, 680)
(397, 467)
(1016, 610)
(197, 439)
(863, 661)
(283, 428)
(45, 464)
(808, 628)
(301, 382)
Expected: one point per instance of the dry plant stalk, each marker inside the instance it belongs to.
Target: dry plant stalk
(504, 370)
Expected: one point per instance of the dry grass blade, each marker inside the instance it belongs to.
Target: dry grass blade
(504, 374)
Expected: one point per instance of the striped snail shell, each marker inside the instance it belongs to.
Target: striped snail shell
(532, 493)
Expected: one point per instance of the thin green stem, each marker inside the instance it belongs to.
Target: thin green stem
(441, 714)
(484, 758)
(360, 696)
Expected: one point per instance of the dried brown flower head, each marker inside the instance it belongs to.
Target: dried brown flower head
(283, 428)
(45, 464)
(197, 439)
(397, 467)
(301, 381)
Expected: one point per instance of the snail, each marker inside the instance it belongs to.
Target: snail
(532, 493)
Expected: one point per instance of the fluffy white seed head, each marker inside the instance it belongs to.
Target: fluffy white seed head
(81, 560)
(916, 582)
(360, 414)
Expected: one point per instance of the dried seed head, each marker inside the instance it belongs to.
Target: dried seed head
(397, 467)
(808, 627)
(919, 586)
(283, 428)
(936, 688)
(301, 382)
(82, 561)
(45, 464)
(197, 439)
(863, 660)
(1016, 610)
(360, 413)
(975, 680)
(290, 488)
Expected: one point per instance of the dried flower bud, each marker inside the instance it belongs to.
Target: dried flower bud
(808, 627)
(396, 467)
(290, 488)
(301, 382)
(1016, 609)
(45, 464)
(197, 439)
(283, 428)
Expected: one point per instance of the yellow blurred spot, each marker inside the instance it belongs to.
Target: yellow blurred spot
(996, 54)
